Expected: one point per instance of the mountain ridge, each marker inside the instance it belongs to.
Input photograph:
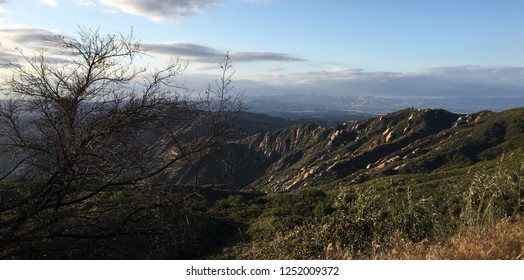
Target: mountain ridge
(408, 141)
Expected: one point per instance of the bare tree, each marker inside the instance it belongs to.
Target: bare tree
(87, 136)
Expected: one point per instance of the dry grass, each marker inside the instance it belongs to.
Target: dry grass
(503, 242)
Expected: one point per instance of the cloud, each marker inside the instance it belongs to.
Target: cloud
(35, 38)
(109, 11)
(27, 38)
(16, 39)
(201, 53)
(52, 3)
(263, 56)
(160, 11)
(86, 3)
(187, 50)
(462, 81)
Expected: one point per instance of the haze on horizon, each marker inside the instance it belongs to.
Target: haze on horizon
(405, 48)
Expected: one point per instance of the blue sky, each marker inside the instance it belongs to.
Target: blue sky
(365, 47)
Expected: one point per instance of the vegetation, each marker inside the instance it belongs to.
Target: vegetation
(480, 220)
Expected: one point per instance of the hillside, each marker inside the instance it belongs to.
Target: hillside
(409, 141)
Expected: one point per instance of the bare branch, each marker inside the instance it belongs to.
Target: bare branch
(94, 131)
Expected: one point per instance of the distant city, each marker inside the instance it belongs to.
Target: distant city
(347, 107)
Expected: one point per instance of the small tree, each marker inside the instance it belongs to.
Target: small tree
(87, 135)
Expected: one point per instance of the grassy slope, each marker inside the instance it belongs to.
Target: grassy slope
(450, 213)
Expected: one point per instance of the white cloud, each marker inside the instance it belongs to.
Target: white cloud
(160, 11)
(52, 3)
(86, 3)
(110, 11)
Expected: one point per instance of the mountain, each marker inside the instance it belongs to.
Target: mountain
(409, 141)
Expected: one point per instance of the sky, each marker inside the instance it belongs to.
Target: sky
(438, 48)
